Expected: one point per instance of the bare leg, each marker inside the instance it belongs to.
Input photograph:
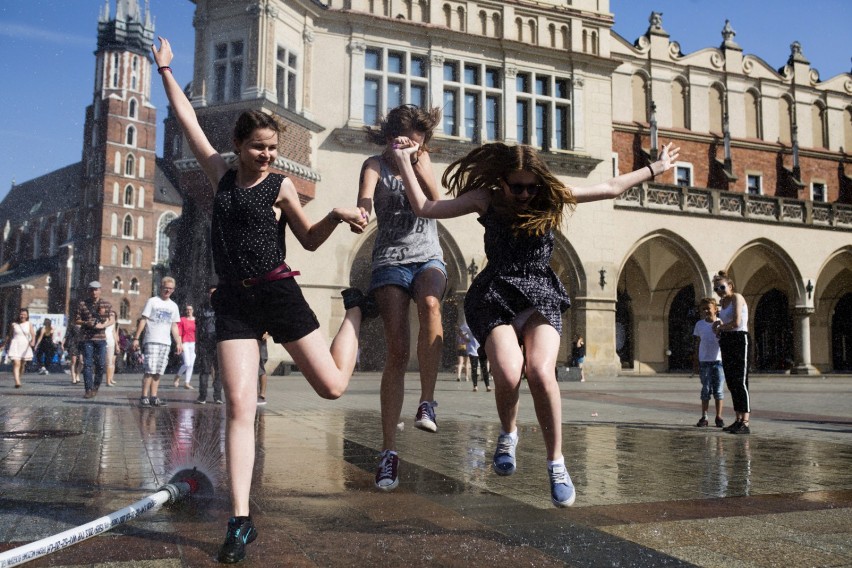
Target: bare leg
(327, 371)
(718, 407)
(541, 342)
(507, 361)
(428, 290)
(17, 364)
(238, 367)
(393, 306)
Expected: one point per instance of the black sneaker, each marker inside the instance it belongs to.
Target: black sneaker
(241, 531)
(144, 401)
(743, 429)
(720, 423)
(155, 401)
(702, 422)
(733, 426)
(200, 401)
(353, 297)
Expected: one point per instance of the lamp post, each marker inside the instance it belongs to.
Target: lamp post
(472, 269)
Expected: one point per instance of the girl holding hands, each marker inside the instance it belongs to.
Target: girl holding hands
(514, 306)
(257, 293)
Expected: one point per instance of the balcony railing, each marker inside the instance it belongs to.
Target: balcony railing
(733, 205)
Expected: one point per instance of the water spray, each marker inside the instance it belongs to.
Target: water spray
(182, 485)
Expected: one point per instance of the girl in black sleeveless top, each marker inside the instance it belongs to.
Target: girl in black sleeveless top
(257, 292)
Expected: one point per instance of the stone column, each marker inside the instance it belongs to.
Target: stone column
(802, 342)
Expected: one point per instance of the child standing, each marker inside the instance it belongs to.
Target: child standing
(514, 306)
(707, 360)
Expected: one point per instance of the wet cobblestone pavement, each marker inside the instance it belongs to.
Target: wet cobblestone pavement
(652, 489)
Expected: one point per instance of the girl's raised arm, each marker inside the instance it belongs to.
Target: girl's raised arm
(471, 202)
(614, 187)
(211, 162)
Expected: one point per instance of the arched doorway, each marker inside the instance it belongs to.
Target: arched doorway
(682, 318)
(841, 334)
(623, 329)
(773, 331)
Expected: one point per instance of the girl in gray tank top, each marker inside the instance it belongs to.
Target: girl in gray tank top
(407, 265)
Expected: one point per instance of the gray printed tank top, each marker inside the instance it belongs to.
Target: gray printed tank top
(402, 236)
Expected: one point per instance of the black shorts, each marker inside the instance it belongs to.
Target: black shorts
(277, 307)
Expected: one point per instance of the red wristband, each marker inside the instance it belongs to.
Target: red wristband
(164, 68)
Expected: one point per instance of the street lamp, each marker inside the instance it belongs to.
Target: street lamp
(472, 269)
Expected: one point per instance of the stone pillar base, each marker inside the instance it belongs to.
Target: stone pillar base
(805, 370)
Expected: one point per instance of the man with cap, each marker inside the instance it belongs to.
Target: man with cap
(94, 315)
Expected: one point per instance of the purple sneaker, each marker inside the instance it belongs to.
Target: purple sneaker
(425, 417)
(387, 475)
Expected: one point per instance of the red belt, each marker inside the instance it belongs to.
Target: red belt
(277, 273)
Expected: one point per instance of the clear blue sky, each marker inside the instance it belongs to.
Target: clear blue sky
(47, 67)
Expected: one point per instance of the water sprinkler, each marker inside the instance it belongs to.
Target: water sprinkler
(183, 484)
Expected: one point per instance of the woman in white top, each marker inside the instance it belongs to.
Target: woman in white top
(19, 344)
(732, 329)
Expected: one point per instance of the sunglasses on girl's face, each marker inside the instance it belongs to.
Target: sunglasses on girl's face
(720, 288)
(518, 188)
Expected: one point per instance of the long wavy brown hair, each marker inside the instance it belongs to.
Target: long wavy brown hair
(487, 165)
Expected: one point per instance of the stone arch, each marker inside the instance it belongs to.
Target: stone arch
(569, 268)
(458, 281)
(771, 284)
(832, 340)
(651, 280)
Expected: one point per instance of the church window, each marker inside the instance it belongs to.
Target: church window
(124, 310)
(115, 68)
(131, 136)
(126, 259)
(128, 196)
(129, 165)
(132, 109)
(161, 255)
(127, 229)
(116, 284)
(134, 285)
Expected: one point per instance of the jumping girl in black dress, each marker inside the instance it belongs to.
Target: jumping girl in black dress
(515, 305)
(256, 291)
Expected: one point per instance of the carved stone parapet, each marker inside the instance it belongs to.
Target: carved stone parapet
(357, 46)
(436, 59)
(510, 71)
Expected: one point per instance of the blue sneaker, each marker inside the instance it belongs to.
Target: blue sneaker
(425, 417)
(504, 456)
(241, 532)
(562, 492)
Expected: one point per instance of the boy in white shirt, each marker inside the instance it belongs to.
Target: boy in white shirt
(707, 360)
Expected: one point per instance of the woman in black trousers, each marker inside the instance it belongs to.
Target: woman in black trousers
(732, 329)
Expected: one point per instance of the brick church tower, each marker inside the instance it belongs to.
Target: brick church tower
(126, 200)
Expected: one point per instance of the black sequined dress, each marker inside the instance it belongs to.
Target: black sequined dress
(518, 276)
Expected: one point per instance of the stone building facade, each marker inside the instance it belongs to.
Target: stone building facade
(761, 190)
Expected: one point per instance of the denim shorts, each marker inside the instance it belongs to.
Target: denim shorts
(712, 379)
(404, 275)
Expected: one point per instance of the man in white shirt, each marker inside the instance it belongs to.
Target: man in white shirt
(160, 316)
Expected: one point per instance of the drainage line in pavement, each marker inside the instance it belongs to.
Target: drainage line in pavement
(183, 485)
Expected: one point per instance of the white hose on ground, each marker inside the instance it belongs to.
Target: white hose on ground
(168, 494)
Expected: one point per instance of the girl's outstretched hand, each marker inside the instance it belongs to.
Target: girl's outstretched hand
(668, 157)
(163, 56)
